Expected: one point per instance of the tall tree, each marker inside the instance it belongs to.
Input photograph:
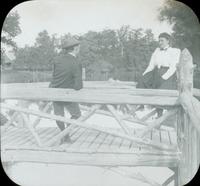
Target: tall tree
(10, 30)
(39, 56)
(124, 52)
(186, 26)
(45, 47)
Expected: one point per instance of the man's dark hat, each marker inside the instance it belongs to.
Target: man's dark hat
(69, 43)
(165, 35)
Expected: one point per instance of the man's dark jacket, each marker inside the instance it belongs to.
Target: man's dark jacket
(67, 72)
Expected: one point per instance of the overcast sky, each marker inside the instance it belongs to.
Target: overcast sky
(80, 16)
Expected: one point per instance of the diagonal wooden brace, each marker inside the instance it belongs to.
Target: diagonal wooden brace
(66, 131)
(191, 106)
(169, 180)
(90, 112)
(147, 116)
(125, 118)
(118, 119)
(46, 108)
(32, 130)
(158, 122)
(9, 122)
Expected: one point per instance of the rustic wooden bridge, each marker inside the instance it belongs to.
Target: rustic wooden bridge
(172, 140)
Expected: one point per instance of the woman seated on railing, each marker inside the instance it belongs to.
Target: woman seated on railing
(160, 73)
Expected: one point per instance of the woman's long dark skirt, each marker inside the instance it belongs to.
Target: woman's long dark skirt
(154, 80)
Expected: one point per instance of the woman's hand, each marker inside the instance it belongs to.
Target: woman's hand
(164, 77)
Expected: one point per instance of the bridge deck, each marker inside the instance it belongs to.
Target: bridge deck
(88, 147)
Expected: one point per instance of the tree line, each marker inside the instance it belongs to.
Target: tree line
(113, 52)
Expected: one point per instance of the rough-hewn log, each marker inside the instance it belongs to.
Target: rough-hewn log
(192, 107)
(189, 160)
(86, 84)
(185, 72)
(89, 159)
(136, 150)
(93, 87)
(53, 94)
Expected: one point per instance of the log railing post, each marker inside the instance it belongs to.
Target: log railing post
(187, 124)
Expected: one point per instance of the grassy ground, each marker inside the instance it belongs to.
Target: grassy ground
(14, 76)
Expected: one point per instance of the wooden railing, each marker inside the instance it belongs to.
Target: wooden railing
(106, 98)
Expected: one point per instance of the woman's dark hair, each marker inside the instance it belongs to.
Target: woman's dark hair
(165, 35)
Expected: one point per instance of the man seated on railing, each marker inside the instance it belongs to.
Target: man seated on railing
(160, 73)
(67, 73)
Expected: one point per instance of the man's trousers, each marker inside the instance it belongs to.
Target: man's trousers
(59, 108)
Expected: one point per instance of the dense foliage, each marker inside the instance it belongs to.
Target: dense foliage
(120, 54)
(39, 56)
(186, 27)
(10, 30)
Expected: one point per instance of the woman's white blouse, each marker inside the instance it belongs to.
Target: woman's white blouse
(164, 58)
